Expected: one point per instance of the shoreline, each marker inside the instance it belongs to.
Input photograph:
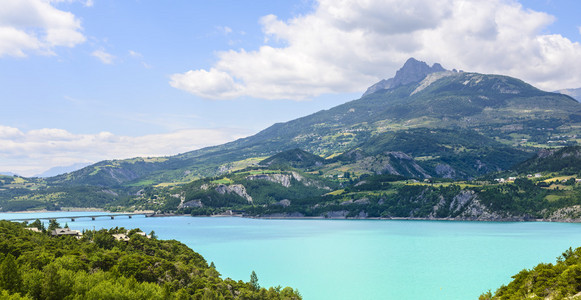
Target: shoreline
(290, 217)
(504, 220)
(79, 209)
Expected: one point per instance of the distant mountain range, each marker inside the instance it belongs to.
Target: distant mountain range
(575, 93)
(424, 122)
(61, 170)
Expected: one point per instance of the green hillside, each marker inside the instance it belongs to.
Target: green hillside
(561, 280)
(564, 160)
(295, 158)
(452, 153)
(334, 189)
(450, 124)
(37, 265)
(499, 107)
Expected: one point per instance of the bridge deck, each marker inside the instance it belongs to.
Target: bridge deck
(93, 217)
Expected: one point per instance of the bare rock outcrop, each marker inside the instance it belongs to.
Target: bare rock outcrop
(473, 209)
(286, 179)
(445, 171)
(237, 189)
(568, 214)
(412, 71)
(341, 214)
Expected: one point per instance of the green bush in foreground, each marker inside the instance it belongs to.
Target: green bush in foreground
(561, 280)
(35, 265)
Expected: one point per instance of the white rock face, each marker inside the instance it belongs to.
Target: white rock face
(412, 71)
(286, 179)
(431, 78)
(237, 189)
(283, 179)
(474, 210)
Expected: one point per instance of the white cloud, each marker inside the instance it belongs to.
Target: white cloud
(347, 45)
(211, 84)
(32, 152)
(10, 133)
(139, 56)
(35, 26)
(135, 54)
(224, 29)
(103, 56)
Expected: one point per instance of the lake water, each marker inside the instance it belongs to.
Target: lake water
(360, 259)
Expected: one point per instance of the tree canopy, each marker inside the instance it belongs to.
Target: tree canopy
(36, 265)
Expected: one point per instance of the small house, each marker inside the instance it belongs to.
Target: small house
(143, 234)
(66, 231)
(121, 237)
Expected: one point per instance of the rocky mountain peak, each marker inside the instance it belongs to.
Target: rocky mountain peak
(412, 71)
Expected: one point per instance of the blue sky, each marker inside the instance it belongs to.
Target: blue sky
(88, 80)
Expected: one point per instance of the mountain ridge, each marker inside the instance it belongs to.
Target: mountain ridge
(491, 104)
(513, 117)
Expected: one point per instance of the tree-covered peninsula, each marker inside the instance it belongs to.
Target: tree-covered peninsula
(561, 280)
(35, 264)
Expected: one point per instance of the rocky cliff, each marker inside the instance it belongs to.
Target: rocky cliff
(412, 71)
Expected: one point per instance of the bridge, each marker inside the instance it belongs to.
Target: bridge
(93, 217)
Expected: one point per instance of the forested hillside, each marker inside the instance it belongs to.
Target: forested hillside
(561, 280)
(354, 186)
(36, 265)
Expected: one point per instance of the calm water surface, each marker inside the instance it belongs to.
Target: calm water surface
(363, 259)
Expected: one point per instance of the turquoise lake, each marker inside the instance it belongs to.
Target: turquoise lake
(360, 259)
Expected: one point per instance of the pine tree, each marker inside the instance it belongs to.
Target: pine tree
(10, 278)
(53, 224)
(38, 224)
(254, 280)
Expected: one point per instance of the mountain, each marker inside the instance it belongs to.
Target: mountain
(499, 107)
(412, 71)
(61, 170)
(276, 191)
(295, 158)
(256, 186)
(575, 93)
(564, 160)
(8, 174)
(445, 153)
(394, 130)
(115, 172)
